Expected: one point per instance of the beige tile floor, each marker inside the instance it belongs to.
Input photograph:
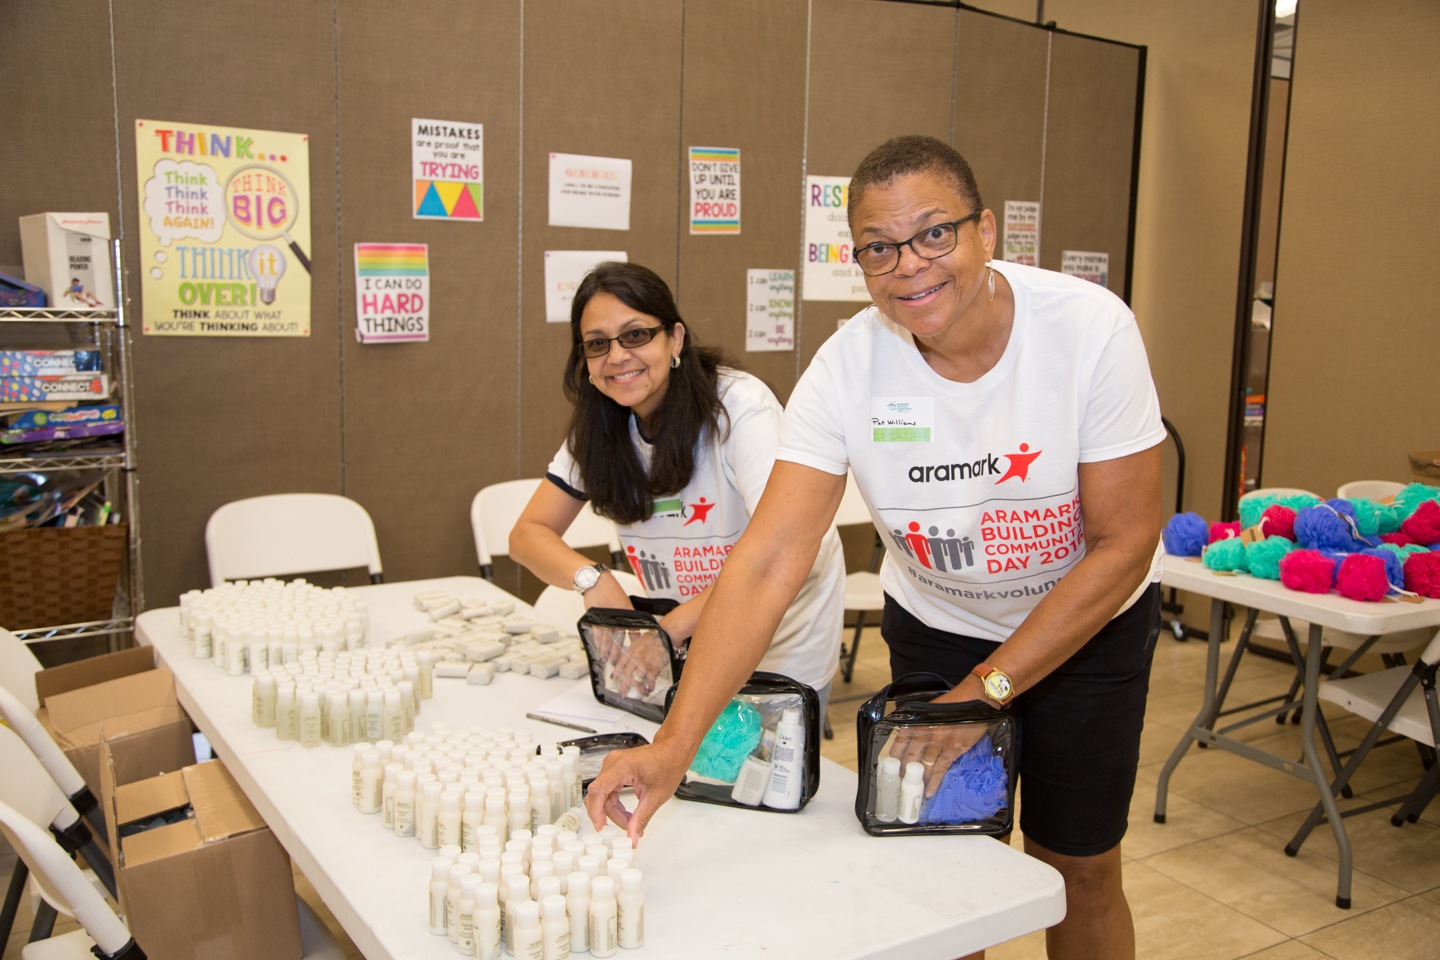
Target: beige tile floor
(1213, 882)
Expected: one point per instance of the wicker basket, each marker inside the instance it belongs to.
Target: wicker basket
(57, 575)
(1425, 467)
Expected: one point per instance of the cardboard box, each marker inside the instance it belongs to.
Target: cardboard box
(80, 386)
(125, 692)
(49, 363)
(16, 294)
(204, 877)
(68, 256)
(70, 417)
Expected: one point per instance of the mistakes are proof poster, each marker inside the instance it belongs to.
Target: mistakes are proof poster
(224, 230)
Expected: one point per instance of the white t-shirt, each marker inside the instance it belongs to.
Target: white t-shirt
(679, 551)
(975, 486)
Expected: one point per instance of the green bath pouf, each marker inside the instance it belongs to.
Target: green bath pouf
(1226, 554)
(1263, 556)
(735, 733)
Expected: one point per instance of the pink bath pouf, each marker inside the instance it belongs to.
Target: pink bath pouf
(1224, 531)
(1422, 526)
(1310, 571)
(1422, 574)
(1278, 521)
(1399, 539)
(1362, 577)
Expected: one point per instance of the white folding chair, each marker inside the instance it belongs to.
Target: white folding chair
(60, 879)
(27, 788)
(495, 509)
(18, 667)
(863, 592)
(1374, 489)
(558, 605)
(62, 772)
(1390, 700)
(289, 533)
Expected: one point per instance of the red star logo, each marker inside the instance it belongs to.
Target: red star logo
(702, 510)
(1019, 463)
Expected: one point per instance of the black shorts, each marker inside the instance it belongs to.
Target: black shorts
(1079, 727)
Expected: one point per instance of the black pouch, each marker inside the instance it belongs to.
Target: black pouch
(745, 752)
(979, 745)
(594, 750)
(632, 660)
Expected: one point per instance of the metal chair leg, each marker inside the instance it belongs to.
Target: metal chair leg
(12, 901)
(848, 670)
(44, 923)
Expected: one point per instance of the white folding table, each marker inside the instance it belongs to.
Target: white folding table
(719, 882)
(1321, 610)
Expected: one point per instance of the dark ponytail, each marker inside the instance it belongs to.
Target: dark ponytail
(611, 472)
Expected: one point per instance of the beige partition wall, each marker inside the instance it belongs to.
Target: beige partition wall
(412, 431)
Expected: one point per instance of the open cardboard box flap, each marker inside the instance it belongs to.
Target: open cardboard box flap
(87, 673)
(221, 809)
(73, 711)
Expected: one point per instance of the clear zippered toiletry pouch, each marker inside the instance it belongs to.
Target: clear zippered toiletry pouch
(934, 768)
(594, 750)
(632, 660)
(762, 752)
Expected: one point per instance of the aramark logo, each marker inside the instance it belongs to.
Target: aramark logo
(986, 466)
(934, 552)
(653, 572)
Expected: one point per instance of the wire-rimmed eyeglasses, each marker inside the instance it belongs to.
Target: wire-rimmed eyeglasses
(936, 240)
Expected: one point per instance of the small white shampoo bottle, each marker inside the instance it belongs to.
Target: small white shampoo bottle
(603, 929)
(448, 825)
(912, 792)
(425, 824)
(370, 781)
(466, 941)
(631, 902)
(487, 922)
(887, 790)
(439, 883)
(529, 938)
(404, 817)
(577, 905)
(555, 928)
(787, 769)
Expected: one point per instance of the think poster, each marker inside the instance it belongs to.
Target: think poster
(224, 230)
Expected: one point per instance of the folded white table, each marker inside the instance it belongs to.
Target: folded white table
(1321, 610)
(718, 881)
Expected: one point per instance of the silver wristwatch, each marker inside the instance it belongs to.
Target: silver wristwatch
(587, 577)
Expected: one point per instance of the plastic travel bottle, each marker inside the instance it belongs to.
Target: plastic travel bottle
(357, 715)
(589, 865)
(787, 762)
(529, 938)
(752, 782)
(518, 892)
(887, 790)
(404, 817)
(309, 721)
(425, 824)
(631, 903)
(912, 792)
(564, 863)
(285, 711)
(374, 715)
(570, 820)
(393, 716)
(427, 674)
(472, 817)
(339, 714)
(603, 929)
(538, 872)
(448, 826)
(439, 883)
(608, 836)
(388, 784)
(458, 872)
(487, 922)
(355, 767)
(555, 928)
(466, 941)
(539, 801)
(577, 905)
(495, 816)
(263, 706)
(549, 887)
(407, 705)
(370, 778)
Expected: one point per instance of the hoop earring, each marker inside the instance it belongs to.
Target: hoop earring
(592, 381)
(675, 362)
(992, 283)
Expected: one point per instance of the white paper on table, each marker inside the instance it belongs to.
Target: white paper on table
(589, 192)
(769, 310)
(1022, 232)
(830, 269)
(564, 269)
(578, 705)
(1087, 265)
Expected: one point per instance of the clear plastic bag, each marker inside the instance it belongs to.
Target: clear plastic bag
(763, 751)
(932, 768)
(633, 663)
(594, 750)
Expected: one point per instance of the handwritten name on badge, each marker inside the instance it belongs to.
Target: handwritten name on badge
(902, 419)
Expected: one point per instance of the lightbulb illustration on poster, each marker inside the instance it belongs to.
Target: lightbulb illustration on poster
(224, 230)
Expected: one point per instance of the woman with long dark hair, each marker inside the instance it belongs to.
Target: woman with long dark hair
(673, 443)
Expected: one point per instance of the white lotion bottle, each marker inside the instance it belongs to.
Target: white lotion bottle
(439, 884)
(603, 932)
(529, 938)
(388, 785)
(355, 766)
(458, 872)
(374, 715)
(555, 928)
(487, 922)
(912, 792)
(404, 817)
(370, 775)
(448, 825)
(357, 716)
(285, 711)
(429, 813)
(887, 790)
(787, 766)
(264, 706)
(631, 903)
(577, 905)
(515, 897)
(466, 941)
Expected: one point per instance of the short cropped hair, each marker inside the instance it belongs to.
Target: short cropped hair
(913, 154)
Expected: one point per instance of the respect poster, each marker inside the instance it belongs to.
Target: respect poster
(224, 230)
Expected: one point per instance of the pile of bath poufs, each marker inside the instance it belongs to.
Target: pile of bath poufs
(1360, 547)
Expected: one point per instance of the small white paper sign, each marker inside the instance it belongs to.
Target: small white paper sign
(714, 190)
(769, 310)
(564, 269)
(1022, 232)
(830, 270)
(392, 292)
(447, 166)
(1087, 265)
(589, 192)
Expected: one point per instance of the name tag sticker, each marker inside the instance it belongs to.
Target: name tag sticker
(902, 419)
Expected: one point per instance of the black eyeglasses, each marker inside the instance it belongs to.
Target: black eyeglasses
(630, 339)
(878, 259)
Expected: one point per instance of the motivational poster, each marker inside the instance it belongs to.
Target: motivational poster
(714, 190)
(769, 310)
(392, 292)
(564, 269)
(589, 192)
(1022, 232)
(447, 161)
(1086, 265)
(830, 269)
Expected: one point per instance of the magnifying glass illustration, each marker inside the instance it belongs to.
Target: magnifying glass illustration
(261, 204)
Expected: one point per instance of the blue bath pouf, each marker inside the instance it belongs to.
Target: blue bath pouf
(1186, 535)
(974, 788)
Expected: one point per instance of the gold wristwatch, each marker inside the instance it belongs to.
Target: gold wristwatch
(998, 686)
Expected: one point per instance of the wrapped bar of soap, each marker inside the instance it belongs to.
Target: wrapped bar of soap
(481, 673)
(452, 668)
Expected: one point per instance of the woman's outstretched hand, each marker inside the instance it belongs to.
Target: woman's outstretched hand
(653, 771)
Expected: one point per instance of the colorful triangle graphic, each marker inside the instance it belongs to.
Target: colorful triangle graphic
(431, 205)
(449, 193)
(465, 204)
(421, 188)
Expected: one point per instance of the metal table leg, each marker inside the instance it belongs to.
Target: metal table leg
(1205, 719)
(1312, 758)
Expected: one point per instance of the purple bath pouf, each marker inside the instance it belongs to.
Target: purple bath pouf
(1327, 527)
(1186, 535)
(974, 788)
